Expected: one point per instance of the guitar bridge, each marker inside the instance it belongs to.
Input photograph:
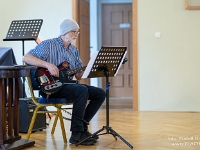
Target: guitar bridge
(52, 86)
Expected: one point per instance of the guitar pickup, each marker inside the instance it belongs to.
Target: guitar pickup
(43, 79)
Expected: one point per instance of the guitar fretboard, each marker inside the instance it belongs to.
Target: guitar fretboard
(71, 72)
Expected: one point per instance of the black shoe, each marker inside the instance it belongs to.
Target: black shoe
(90, 134)
(75, 139)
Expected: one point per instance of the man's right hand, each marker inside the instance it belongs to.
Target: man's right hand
(54, 71)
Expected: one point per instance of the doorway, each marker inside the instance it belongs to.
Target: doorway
(97, 32)
(117, 31)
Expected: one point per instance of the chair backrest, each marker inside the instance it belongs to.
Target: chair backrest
(34, 99)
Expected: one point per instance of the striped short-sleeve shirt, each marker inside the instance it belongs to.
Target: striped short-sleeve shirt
(54, 51)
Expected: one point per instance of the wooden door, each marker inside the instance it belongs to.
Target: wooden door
(81, 13)
(117, 31)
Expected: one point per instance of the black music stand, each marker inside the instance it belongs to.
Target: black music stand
(21, 30)
(106, 63)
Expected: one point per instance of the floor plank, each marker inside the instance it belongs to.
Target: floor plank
(143, 130)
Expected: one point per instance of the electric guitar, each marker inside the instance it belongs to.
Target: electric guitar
(50, 84)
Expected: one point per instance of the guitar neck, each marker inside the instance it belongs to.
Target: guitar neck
(78, 70)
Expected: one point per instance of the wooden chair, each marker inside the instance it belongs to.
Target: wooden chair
(43, 102)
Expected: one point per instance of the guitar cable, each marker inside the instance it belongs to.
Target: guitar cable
(64, 109)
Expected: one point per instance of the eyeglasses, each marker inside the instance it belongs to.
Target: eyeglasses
(75, 32)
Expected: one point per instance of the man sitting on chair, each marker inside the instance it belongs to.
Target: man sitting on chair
(52, 52)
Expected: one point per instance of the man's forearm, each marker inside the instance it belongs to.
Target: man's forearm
(32, 60)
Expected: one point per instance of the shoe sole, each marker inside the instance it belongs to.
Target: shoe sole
(82, 143)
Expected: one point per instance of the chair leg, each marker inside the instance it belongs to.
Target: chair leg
(62, 125)
(54, 124)
(32, 123)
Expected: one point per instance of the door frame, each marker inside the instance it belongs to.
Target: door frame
(135, 54)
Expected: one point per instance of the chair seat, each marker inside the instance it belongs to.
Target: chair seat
(53, 100)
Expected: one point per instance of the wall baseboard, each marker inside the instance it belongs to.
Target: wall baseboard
(119, 103)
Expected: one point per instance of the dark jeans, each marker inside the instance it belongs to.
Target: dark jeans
(79, 94)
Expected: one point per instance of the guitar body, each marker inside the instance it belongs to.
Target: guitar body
(50, 84)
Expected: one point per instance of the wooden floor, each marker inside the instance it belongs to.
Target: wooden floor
(143, 130)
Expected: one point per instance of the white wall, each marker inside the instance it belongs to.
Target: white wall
(169, 67)
(51, 11)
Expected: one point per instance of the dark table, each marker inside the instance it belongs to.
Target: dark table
(7, 58)
(9, 104)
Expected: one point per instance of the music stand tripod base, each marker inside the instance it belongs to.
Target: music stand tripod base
(109, 130)
(106, 63)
